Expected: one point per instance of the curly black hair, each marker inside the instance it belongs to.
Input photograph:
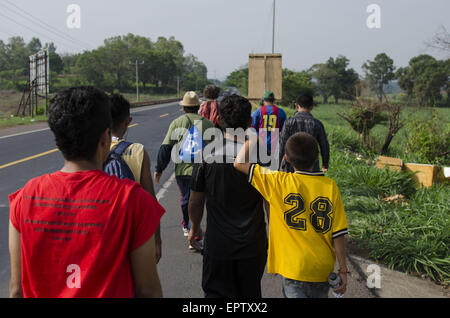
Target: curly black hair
(235, 112)
(302, 150)
(78, 117)
(120, 110)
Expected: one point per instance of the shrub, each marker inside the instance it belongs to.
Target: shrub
(429, 140)
(362, 116)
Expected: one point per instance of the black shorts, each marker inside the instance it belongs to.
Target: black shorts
(233, 278)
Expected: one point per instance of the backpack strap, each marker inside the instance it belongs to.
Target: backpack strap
(191, 125)
(120, 149)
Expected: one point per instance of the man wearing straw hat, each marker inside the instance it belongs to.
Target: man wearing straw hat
(183, 169)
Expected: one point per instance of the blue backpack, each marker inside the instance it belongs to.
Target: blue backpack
(115, 165)
(192, 145)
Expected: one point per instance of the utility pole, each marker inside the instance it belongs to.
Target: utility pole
(137, 63)
(273, 30)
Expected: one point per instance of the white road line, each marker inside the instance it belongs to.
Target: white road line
(165, 188)
(25, 133)
(44, 129)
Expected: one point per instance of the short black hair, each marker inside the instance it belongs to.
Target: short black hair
(120, 110)
(78, 117)
(191, 110)
(305, 101)
(302, 151)
(235, 112)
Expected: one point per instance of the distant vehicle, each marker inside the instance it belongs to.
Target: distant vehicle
(228, 91)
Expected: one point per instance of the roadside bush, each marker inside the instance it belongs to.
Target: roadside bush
(429, 140)
(363, 115)
(357, 178)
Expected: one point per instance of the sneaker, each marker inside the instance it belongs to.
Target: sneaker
(193, 249)
(185, 232)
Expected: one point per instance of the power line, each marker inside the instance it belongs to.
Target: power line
(34, 31)
(49, 27)
(43, 25)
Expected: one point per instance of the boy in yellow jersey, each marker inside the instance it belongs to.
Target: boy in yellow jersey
(307, 219)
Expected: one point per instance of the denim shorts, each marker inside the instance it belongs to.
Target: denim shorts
(298, 289)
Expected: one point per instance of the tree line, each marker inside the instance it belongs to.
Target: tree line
(163, 65)
(424, 81)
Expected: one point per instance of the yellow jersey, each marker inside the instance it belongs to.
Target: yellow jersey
(306, 214)
(133, 156)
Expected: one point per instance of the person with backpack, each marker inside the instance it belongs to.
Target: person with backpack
(185, 134)
(209, 108)
(235, 244)
(129, 160)
(79, 232)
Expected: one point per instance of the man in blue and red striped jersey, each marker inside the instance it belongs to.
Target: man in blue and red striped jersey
(268, 119)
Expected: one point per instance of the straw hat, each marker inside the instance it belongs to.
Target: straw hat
(190, 99)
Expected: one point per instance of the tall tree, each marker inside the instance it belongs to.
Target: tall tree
(238, 79)
(194, 74)
(294, 84)
(346, 78)
(115, 51)
(3, 56)
(424, 78)
(17, 54)
(379, 73)
(34, 46)
(325, 79)
(334, 78)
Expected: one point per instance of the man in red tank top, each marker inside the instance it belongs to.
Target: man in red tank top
(79, 232)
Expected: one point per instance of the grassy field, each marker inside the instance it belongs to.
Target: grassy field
(412, 235)
(16, 121)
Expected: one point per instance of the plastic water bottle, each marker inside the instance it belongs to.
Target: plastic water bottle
(335, 281)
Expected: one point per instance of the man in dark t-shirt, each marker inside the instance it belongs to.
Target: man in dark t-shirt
(235, 243)
(304, 121)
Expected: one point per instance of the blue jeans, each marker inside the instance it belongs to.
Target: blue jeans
(184, 184)
(298, 289)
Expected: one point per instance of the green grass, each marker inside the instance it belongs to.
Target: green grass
(16, 121)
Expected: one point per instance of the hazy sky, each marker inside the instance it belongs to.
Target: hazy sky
(221, 33)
